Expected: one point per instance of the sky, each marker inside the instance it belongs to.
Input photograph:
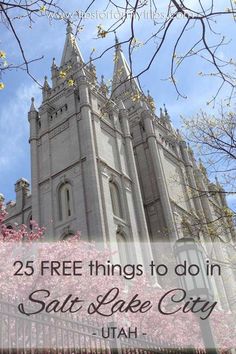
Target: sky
(46, 38)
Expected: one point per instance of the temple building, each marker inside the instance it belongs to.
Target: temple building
(105, 163)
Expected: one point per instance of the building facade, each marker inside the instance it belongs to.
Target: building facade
(108, 165)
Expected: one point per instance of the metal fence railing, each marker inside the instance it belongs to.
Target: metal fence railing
(54, 334)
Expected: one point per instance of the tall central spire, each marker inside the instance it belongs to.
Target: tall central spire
(71, 48)
(121, 77)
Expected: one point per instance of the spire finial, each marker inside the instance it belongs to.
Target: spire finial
(92, 69)
(165, 110)
(46, 86)
(103, 87)
(116, 38)
(45, 82)
(91, 62)
(150, 101)
(69, 29)
(32, 107)
(117, 44)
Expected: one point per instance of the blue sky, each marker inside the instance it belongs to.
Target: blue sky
(47, 39)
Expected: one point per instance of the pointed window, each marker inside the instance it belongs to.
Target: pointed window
(30, 222)
(65, 201)
(68, 204)
(115, 199)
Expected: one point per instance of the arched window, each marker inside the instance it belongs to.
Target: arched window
(115, 200)
(65, 201)
(67, 236)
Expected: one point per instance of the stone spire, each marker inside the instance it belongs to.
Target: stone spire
(121, 75)
(118, 46)
(161, 113)
(166, 113)
(1, 199)
(202, 168)
(69, 29)
(71, 49)
(46, 88)
(32, 106)
(54, 66)
(150, 101)
(46, 84)
(165, 118)
(33, 120)
(92, 69)
(103, 87)
(54, 72)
